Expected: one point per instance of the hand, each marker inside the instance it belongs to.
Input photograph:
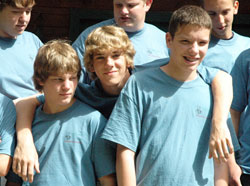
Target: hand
(25, 160)
(220, 141)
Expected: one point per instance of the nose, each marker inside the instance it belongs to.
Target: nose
(25, 16)
(124, 10)
(109, 62)
(220, 18)
(66, 84)
(194, 48)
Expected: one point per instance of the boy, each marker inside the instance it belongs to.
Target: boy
(7, 131)
(65, 130)
(225, 45)
(161, 121)
(18, 48)
(148, 40)
(240, 74)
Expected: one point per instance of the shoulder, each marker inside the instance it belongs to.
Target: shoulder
(30, 37)
(151, 27)
(88, 30)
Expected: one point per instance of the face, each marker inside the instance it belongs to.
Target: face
(59, 91)
(13, 21)
(222, 13)
(188, 47)
(111, 68)
(130, 14)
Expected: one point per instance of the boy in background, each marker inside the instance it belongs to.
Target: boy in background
(225, 45)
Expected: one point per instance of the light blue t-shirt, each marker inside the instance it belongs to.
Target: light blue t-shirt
(241, 100)
(7, 123)
(149, 44)
(69, 147)
(167, 123)
(222, 53)
(17, 58)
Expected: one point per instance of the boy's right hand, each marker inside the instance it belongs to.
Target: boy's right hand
(25, 159)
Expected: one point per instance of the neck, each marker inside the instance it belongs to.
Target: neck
(178, 74)
(116, 89)
(51, 108)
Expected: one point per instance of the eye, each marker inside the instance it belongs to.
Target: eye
(73, 78)
(211, 14)
(225, 12)
(131, 5)
(118, 5)
(203, 43)
(184, 41)
(116, 55)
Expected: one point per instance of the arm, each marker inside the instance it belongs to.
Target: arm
(25, 158)
(221, 175)
(220, 137)
(125, 166)
(108, 180)
(5, 164)
(235, 115)
(234, 171)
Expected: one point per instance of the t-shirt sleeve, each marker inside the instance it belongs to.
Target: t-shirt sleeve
(207, 73)
(7, 129)
(103, 152)
(240, 75)
(124, 125)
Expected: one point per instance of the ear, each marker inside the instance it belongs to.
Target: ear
(92, 69)
(236, 7)
(148, 5)
(169, 39)
(39, 81)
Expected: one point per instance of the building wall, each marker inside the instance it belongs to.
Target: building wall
(52, 19)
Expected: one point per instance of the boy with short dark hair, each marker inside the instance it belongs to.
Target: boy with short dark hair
(66, 131)
(162, 119)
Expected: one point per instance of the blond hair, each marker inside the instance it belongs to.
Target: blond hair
(107, 38)
(56, 57)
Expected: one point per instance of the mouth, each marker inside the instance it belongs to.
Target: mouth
(110, 72)
(124, 19)
(65, 94)
(191, 60)
(21, 27)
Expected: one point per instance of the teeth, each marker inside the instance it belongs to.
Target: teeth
(191, 59)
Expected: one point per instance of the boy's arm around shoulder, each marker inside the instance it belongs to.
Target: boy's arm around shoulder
(25, 158)
(220, 139)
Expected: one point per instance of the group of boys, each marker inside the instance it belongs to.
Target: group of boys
(153, 125)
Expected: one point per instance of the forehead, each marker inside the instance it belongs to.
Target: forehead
(128, 1)
(193, 32)
(218, 4)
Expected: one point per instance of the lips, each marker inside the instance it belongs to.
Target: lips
(191, 60)
(110, 72)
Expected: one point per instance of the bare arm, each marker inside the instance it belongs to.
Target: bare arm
(25, 158)
(109, 180)
(220, 137)
(125, 166)
(235, 115)
(5, 164)
(234, 171)
(221, 175)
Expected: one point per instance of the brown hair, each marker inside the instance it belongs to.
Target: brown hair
(17, 3)
(55, 57)
(189, 15)
(107, 38)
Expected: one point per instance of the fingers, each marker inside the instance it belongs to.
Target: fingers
(230, 146)
(219, 151)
